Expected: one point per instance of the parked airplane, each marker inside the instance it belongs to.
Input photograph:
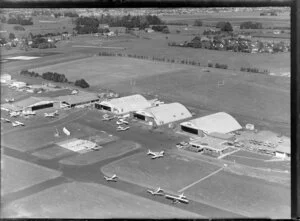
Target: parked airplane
(17, 123)
(156, 154)
(124, 116)
(107, 117)
(53, 114)
(5, 120)
(122, 121)
(120, 128)
(96, 148)
(65, 130)
(157, 191)
(56, 134)
(178, 199)
(14, 114)
(8, 100)
(112, 178)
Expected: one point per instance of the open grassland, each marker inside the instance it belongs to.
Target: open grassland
(17, 174)
(110, 150)
(245, 195)
(87, 200)
(170, 173)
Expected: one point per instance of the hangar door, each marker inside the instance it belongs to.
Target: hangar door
(42, 106)
(139, 116)
(189, 130)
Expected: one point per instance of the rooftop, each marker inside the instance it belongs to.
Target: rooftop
(210, 143)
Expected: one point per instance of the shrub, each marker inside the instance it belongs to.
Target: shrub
(198, 22)
(19, 28)
(82, 83)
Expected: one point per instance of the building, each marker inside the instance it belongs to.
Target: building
(163, 114)
(31, 104)
(80, 98)
(220, 122)
(5, 78)
(283, 150)
(124, 105)
(210, 145)
(18, 84)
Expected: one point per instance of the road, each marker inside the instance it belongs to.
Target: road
(92, 172)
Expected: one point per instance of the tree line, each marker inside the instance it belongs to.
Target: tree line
(56, 77)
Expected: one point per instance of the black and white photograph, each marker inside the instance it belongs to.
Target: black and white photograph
(136, 113)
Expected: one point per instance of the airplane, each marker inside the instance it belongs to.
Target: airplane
(95, 148)
(17, 123)
(124, 116)
(53, 114)
(156, 154)
(178, 199)
(112, 178)
(107, 118)
(14, 114)
(56, 134)
(120, 128)
(157, 191)
(122, 121)
(8, 100)
(5, 120)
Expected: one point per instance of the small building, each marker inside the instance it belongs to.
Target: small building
(283, 150)
(220, 122)
(80, 98)
(124, 105)
(18, 84)
(210, 145)
(4, 78)
(163, 114)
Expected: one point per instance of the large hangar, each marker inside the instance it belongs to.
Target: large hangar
(124, 105)
(220, 122)
(163, 114)
(79, 99)
(31, 104)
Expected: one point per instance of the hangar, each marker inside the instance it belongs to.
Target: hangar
(31, 104)
(163, 114)
(124, 105)
(80, 98)
(220, 122)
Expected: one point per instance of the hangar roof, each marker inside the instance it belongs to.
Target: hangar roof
(129, 103)
(220, 122)
(167, 113)
(28, 102)
(81, 97)
(212, 143)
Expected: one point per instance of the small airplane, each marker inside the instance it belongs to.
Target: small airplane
(53, 114)
(178, 199)
(156, 154)
(107, 118)
(5, 120)
(122, 121)
(157, 191)
(120, 128)
(124, 116)
(96, 148)
(9, 100)
(56, 134)
(112, 178)
(14, 114)
(17, 123)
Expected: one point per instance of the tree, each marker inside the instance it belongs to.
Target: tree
(82, 83)
(227, 27)
(11, 36)
(198, 22)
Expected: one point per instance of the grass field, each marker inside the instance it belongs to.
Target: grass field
(87, 200)
(17, 174)
(52, 152)
(170, 173)
(248, 196)
(110, 150)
